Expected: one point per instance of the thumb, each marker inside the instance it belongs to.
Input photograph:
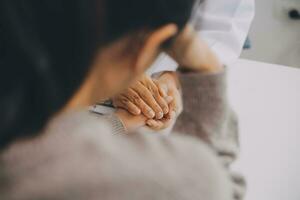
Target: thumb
(165, 90)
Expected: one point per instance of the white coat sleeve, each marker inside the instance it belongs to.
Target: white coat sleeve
(223, 24)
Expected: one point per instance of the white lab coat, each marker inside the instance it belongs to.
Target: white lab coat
(223, 24)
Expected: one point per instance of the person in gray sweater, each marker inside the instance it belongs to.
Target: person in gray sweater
(81, 155)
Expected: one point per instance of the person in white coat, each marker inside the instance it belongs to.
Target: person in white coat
(223, 24)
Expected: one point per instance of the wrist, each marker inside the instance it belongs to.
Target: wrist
(193, 54)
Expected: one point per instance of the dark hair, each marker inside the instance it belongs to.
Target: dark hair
(46, 47)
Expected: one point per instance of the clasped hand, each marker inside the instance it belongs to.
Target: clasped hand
(154, 102)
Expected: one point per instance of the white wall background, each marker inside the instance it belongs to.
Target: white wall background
(269, 128)
(275, 38)
(269, 131)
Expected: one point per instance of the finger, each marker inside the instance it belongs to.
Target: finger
(169, 99)
(162, 88)
(133, 109)
(139, 102)
(125, 103)
(148, 98)
(155, 89)
(168, 119)
(162, 103)
(172, 105)
(176, 104)
(164, 123)
(155, 125)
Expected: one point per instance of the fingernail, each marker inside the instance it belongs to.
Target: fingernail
(166, 110)
(151, 114)
(160, 115)
(137, 112)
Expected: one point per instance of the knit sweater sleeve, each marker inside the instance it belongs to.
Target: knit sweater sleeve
(79, 157)
(207, 115)
(114, 121)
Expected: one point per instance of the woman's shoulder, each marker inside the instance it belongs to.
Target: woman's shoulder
(70, 133)
(65, 154)
(79, 154)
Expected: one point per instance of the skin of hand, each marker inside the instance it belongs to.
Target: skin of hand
(134, 122)
(170, 83)
(192, 53)
(146, 97)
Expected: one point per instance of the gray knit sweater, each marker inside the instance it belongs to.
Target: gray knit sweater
(84, 156)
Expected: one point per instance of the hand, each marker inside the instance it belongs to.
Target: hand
(169, 80)
(170, 83)
(133, 122)
(191, 52)
(165, 122)
(144, 96)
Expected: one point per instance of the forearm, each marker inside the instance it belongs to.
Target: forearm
(204, 104)
(208, 116)
(223, 25)
(122, 122)
(117, 123)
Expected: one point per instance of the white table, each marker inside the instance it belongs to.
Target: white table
(267, 99)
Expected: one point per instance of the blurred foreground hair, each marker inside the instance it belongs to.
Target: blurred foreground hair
(47, 46)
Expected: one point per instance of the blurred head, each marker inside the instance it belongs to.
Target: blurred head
(52, 51)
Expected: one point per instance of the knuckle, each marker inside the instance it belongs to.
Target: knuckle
(157, 110)
(155, 91)
(136, 98)
(163, 102)
(145, 95)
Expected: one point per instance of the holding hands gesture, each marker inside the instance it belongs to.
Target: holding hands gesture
(157, 102)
